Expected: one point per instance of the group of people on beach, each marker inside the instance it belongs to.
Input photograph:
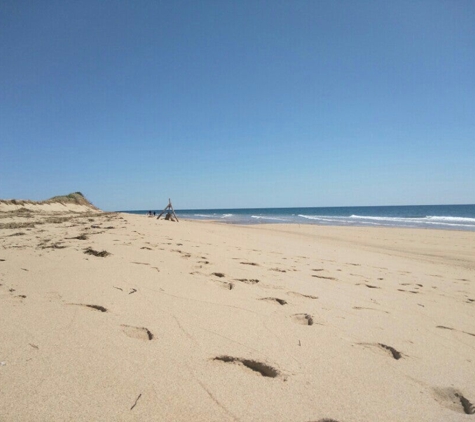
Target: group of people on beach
(150, 214)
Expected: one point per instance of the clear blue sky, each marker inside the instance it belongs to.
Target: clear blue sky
(238, 103)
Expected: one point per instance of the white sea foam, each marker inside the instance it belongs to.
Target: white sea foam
(434, 220)
(429, 221)
(449, 224)
(322, 217)
(226, 215)
(442, 218)
(402, 219)
(310, 217)
(261, 217)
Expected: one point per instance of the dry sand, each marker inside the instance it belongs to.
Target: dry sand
(196, 321)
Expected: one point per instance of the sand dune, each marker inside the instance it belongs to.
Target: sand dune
(122, 317)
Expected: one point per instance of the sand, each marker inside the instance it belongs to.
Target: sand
(110, 316)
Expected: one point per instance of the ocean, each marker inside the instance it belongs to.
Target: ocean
(449, 217)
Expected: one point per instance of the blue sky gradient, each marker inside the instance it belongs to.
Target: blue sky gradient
(223, 104)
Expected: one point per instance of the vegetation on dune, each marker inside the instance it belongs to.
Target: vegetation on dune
(73, 198)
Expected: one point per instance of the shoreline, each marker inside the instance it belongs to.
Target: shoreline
(218, 322)
(458, 217)
(355, 226)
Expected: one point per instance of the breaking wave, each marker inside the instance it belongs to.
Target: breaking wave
(427, 221)
(262, 217)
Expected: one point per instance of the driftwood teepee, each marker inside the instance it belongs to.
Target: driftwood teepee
(169, 215)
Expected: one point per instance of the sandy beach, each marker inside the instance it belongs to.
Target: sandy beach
(110, 316)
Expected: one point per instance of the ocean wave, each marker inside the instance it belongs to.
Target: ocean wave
(322, 217)
(341, 220)
(443, 218)
(367, 217)
(450, 224)
(261, 217)
(310, 217)
(426, 221)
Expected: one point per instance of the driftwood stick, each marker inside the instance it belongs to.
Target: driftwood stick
(171, 206)
(168, 207)
(162, 212)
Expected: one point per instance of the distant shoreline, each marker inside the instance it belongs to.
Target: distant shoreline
(446, 217)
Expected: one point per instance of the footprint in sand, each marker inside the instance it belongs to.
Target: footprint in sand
(258, 367)
(323, 277)
(303, 319)
(297, 294)
(225, 284)
(407, 291)
(248, 280)
(395, 354)
(370, 286)
(140, 333)
(388, 349)
(453, 399)
(94, 307)
(274, 300)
